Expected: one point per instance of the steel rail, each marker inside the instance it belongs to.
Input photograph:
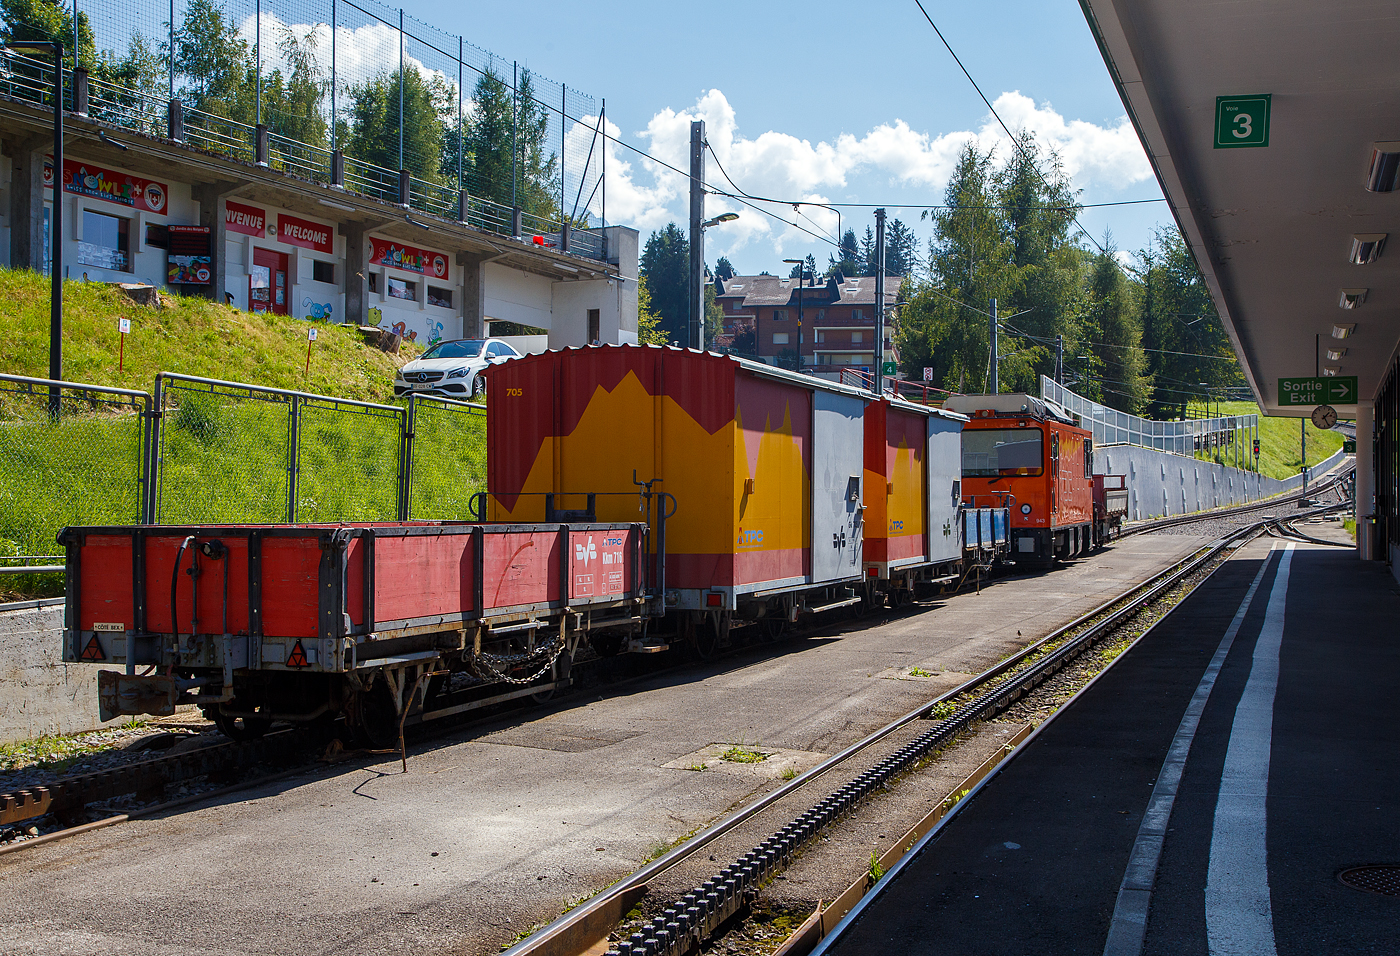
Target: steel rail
(701, 911)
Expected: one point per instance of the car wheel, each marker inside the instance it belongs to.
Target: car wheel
(478, 387)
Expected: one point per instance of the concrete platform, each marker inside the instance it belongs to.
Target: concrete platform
(1283, 775)
(497, 826)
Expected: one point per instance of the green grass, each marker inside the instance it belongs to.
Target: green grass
(1279, 452)
(741, 754)
(224, 456)
(192, 336)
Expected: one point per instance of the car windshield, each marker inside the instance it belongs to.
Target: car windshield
(462, 348)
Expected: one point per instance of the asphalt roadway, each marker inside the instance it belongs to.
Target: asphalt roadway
(1287, 779)
(498, 827)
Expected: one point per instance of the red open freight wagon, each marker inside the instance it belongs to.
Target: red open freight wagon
(263, 622)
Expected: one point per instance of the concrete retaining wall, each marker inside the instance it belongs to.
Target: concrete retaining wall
(39, 693)
(1160, 483)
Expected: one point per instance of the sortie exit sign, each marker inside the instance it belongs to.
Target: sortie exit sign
(1338, 390)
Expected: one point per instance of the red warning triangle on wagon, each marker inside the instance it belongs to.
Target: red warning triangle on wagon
(297, 658)
(93, 651)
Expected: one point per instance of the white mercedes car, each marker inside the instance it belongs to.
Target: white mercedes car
(451, 368)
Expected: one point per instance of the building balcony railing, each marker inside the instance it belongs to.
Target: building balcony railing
(31, 80)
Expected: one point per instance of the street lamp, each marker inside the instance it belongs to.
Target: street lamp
(55, 218)
(695, 334)
(801, 278)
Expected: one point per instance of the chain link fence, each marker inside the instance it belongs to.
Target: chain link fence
(448, 458)
(70, 454)
(294, 82)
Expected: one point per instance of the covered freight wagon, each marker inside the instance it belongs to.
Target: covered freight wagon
(751, 473)
(913, 496)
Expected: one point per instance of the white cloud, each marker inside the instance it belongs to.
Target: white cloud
(646, 195)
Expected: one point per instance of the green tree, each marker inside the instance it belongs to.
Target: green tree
(1110, 323)
(47, 21)
(943, 324)
(537, 191)
(488, 139)
(648, 322)
(211, 57)
(899, 250)
(724, 270)
(1190, 354)
(849, 263)
(665, 264)
(375, 121)
(1036, 205)
(867, 258)
(498, 120)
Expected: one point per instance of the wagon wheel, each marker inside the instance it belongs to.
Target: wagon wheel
(701, 635)
(771, 627)
(376, 718)
(241, 728)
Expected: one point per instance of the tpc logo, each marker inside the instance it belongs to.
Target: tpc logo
(750, 538)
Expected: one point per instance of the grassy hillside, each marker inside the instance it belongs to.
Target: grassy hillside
(1279, 451)
(192, 336)
(224, 458)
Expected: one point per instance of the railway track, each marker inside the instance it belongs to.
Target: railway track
(681, 925)
(1329, 484)
(67, 797)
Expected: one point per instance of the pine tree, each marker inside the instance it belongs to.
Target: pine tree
(1115, 335)
(666, 265)
(899, 250)
(723, 269)
(867, 258)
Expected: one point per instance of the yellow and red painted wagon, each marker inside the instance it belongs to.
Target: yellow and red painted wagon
(749, 475)
(913, 499)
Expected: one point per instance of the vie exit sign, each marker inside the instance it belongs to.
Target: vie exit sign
(1242, 121)
(1338, 390)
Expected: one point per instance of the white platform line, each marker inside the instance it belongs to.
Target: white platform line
(1239, 910)
(1129, 925)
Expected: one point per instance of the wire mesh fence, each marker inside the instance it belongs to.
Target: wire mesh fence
(448, 458)
(348, 461)
(388, 91)
(224, 453)
(70, 454)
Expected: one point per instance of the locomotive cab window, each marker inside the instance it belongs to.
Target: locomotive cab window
(998, 452)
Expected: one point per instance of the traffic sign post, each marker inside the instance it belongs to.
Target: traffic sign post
(1336, 390)
(1242, 121)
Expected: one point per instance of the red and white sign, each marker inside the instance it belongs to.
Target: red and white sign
(304, 233)
(597, 563)
(396, 255)
(249, 220)
(86, 179)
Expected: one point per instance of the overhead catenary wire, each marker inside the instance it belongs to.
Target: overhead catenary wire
(1000, 122)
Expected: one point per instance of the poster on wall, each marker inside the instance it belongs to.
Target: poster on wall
(396, 255)
(87, 179)
(188, 258)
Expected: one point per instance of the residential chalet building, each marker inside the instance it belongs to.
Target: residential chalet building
(838, 319)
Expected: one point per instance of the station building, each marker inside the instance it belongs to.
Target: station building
(1275, 136)
(150, 209)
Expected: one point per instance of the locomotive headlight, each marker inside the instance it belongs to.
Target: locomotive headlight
(1025, 509)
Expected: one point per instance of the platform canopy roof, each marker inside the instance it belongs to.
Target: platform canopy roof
(1273, 226)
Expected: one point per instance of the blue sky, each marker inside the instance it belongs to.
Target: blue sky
(854, 103)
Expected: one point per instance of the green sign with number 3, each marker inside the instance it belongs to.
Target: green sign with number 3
(1242, 121)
